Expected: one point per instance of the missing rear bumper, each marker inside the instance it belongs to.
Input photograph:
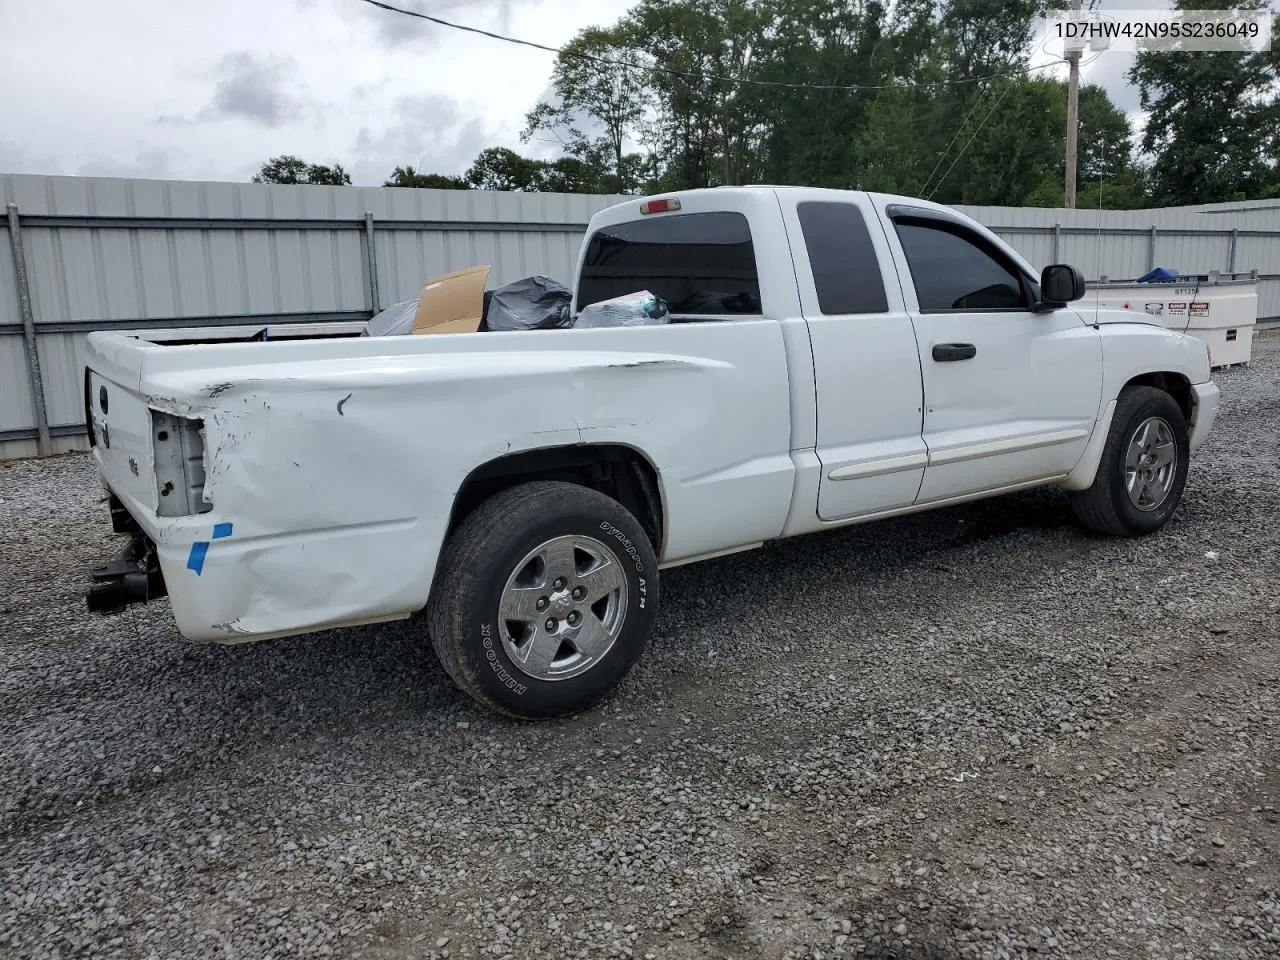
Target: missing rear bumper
(132, 576)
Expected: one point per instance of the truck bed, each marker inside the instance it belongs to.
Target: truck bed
(314, 477)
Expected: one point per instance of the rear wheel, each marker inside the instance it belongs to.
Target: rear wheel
(1143, 467)
(544, 599)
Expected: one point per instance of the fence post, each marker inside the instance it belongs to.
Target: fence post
(1151, 249)
(371, 252)
(1057, 243)
(29, 332)
(1231, 253)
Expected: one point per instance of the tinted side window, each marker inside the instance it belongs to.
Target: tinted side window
(953, 272)
(697, 262)
(845, 270)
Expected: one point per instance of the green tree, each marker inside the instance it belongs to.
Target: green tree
(705, 124)
(569, 175)
(1003, 144)
(1106, 174)
(1212, 121)
(596, 90)
(968, 125)
(500, 168)
(810, 133)
(1104, 139)
(287, 168)
(979, 38)
(701, 118)
(1015, 136)
(409, 177)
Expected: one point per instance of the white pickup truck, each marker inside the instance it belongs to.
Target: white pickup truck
(832, 357)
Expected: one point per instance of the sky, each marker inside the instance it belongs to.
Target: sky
(209, 89)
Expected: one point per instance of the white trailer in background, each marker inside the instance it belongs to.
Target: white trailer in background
(1219, 308)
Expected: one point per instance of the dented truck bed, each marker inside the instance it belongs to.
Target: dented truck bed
(287, 486)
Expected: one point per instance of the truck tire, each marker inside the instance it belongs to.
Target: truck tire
(1143, 467)
(544, 599)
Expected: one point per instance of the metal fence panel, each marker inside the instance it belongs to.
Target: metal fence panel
(62, 359)
(1122, 256)
(1269, 299)
(8, 282)
(1262, 253)
(1207, 252)
(16, 410)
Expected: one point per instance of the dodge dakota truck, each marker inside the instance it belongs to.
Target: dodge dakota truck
(831, 358)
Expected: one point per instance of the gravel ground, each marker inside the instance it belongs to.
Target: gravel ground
(972, 733)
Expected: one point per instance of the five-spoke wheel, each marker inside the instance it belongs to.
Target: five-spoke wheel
(543, 599)
(563, 607)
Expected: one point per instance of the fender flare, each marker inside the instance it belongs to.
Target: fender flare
(1086, 468)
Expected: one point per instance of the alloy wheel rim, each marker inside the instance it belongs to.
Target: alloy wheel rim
(1151, 464)
(563, 607)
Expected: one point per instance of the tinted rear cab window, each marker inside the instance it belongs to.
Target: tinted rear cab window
(846, 272)
(700, 263)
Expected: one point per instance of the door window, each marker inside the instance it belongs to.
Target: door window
(954, 269)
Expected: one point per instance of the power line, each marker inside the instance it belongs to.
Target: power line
(687, 74)
(979, 128)
(976, 131)
(968, 116)
(959, 130)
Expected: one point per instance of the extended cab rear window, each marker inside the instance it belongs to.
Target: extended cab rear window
(700, 263)
(846, 273)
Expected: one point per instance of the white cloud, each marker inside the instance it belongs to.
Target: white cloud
(1110, 71)
(148, 162)
(259, 88)
(211, 90)
(430, 132)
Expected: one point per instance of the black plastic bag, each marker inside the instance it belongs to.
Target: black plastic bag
(534, 303)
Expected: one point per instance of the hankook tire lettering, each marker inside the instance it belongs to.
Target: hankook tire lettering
(621, 537)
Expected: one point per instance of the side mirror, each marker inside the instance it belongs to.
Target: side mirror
(1059, 285)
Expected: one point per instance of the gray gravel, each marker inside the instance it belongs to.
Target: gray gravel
(974, 733)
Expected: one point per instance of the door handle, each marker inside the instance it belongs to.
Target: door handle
(947, 352)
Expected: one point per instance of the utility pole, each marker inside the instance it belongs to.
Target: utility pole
(1073, 114)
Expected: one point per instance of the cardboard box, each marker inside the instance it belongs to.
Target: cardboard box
(453, 302)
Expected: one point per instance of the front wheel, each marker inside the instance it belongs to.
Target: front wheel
(544, 599)
(1143, 467)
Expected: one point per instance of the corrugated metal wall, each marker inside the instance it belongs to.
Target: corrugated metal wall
(104, 253)
(138, 253)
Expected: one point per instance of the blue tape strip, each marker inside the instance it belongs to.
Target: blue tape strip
(221, 530)
(195, 559)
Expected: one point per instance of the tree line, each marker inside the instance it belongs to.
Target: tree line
(681, 94)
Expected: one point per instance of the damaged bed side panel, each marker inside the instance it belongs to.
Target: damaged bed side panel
(332, 479)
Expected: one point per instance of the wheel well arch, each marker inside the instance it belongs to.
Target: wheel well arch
(620, 472)
(1177, 385)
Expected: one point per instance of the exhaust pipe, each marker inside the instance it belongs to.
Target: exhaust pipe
(132, 576)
